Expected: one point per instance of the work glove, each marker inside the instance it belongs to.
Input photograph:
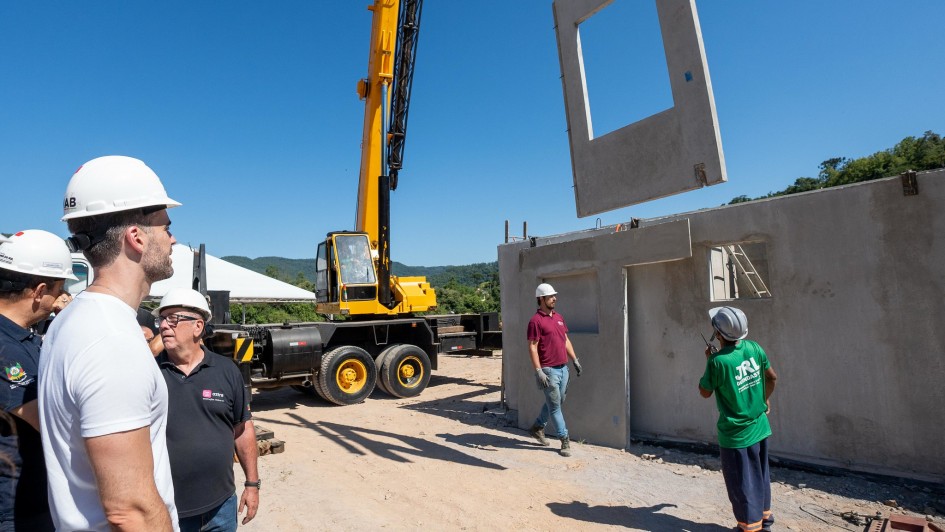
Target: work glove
(577, 367)
(542, 379)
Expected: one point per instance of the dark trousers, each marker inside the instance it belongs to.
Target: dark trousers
(749, 485)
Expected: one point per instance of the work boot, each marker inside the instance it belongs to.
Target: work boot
(538, 432)
(565, 446)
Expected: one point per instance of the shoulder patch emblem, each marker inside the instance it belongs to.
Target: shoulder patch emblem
(15, 373)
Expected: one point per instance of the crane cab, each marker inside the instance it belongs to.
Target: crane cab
(350, 281)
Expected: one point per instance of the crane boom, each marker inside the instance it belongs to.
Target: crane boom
(353, 272)
(394, 33)
(408, 32)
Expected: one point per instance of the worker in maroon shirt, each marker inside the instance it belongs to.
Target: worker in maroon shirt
(549, 347)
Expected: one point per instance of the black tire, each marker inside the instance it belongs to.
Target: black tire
(318, 390)
(347, 375)
(378, 362)
(405, 371)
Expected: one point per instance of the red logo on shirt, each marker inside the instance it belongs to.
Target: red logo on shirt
(207, 394)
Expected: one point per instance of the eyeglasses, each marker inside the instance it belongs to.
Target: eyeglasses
(173, 319)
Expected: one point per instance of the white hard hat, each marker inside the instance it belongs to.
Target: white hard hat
(37, 252)
(111, 184)
(544, 290)
(184, 297)
(730, 322)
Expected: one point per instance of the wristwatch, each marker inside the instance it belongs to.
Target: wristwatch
(255, 484)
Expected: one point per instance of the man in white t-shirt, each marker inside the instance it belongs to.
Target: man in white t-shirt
(102, 399)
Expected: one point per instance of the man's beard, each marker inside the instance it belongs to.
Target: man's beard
(157, 265)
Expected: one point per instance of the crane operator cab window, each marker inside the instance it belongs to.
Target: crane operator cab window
(358, 281)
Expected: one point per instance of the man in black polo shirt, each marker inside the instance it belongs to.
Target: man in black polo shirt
(208, 411)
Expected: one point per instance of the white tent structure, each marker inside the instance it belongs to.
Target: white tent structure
(245, 286)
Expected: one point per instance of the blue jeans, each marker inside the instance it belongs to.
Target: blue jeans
(220, 519)
(31, 523)
(555, 393)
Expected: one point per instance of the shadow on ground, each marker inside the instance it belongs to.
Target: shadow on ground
(491, 442)
(265, 400)
(362, 441)
(643, 518)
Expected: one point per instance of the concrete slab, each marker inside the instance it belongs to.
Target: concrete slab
(673, 151)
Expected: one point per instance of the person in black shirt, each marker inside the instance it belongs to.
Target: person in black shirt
(208, 411)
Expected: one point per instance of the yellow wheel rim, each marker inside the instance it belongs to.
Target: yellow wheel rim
(410, 372)
(351, 376)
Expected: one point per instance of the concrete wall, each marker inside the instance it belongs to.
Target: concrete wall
(853, 327)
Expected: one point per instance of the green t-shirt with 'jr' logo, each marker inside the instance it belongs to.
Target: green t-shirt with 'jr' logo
(736, 376)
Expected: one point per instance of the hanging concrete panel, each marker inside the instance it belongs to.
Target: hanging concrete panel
(672, 151)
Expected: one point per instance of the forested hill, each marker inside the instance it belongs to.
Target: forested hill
(911, 153)
(471, 275)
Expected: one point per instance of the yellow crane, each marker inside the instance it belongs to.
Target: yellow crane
(379, 341)
(353, 268)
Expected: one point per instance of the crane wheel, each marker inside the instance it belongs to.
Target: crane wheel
(378, 362)
(405, 370)
(347, 375)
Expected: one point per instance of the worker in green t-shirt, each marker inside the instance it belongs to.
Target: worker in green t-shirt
(742, 378)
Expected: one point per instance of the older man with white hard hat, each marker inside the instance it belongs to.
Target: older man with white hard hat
(208, 416)
(103, 401)
(34, 266)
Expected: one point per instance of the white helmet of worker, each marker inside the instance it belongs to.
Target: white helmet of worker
(111, 184)
(545, 290)
(184, 297)
(37, 252)
(730, 322)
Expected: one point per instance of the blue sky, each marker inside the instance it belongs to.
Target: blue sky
(248, 112)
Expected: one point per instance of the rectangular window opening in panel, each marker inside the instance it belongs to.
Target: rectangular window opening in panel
(739, 270)
(625, 73)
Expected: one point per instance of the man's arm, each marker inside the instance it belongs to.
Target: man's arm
(124, 472)
(706, 393)
(28, 412)
(770, 380)
(533, 352)
(245, 436)
(569, 348)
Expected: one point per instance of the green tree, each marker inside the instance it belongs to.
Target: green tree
(804, 184)
(274, 272)
(924, 153)
(302, 282)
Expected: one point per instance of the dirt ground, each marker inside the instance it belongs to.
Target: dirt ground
(452, 459)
